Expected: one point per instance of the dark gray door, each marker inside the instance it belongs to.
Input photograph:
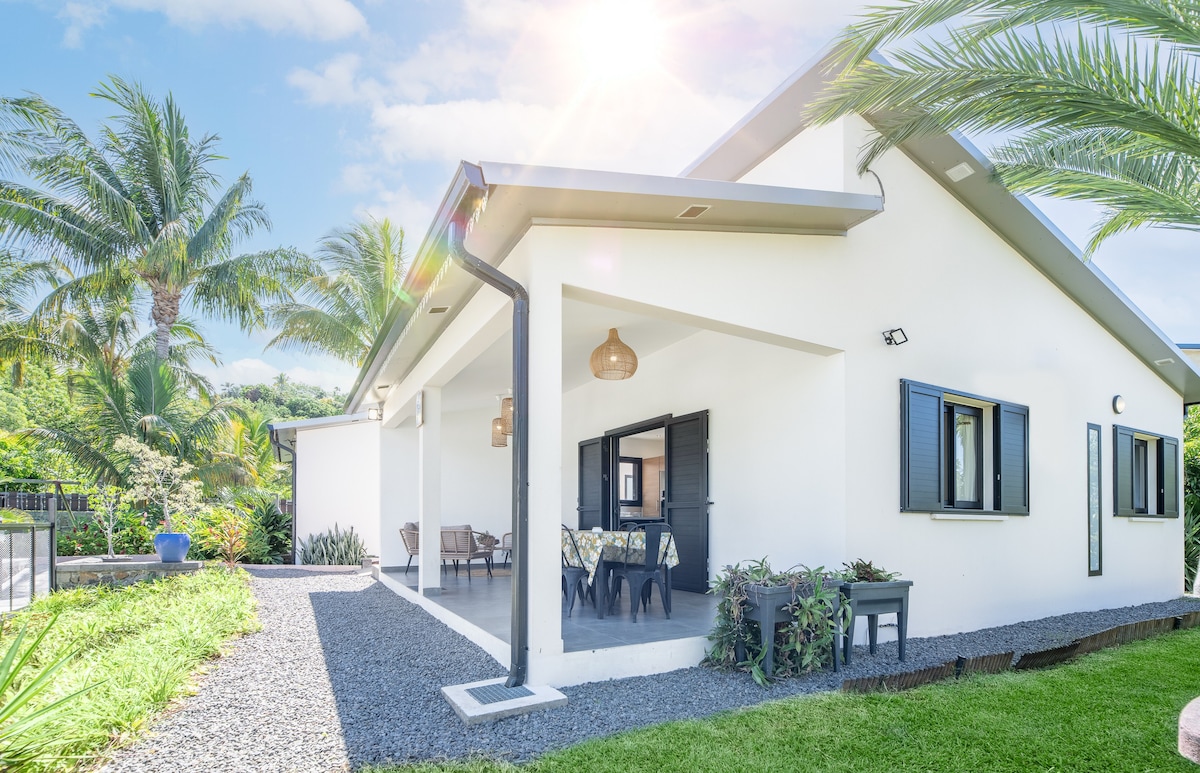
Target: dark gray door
(593, 483)
(687, 498)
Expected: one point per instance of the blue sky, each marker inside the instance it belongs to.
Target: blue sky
(341, 108)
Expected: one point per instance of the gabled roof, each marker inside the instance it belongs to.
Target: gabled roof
(779, 118)
(519, 196)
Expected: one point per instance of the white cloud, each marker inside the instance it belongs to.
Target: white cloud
(79, 18)
(336, 82)
(318, 19)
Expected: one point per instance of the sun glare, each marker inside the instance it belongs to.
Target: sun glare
(619, 38)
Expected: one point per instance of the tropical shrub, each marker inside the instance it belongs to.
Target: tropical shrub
(225, 532)
(801, 645)
(333, 548)
(271, 540)
(160, 479)
(85, 539)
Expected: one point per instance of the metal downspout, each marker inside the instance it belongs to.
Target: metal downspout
(520, 489)
(275, 441)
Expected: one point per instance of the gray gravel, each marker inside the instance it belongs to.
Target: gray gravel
(345, 673)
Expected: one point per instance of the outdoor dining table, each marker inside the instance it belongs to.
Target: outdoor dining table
(598, 548)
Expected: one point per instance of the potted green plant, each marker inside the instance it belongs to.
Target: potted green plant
(871, 591)
(775, 623)
(165, 481)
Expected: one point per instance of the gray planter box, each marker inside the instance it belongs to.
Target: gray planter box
(874, 599)
(765, 605)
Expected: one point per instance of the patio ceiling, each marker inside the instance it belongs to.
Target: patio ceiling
(585, 326)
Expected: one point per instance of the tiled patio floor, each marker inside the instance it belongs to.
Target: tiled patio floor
(487, 604)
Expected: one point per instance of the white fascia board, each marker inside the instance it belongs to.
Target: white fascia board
(321, 421)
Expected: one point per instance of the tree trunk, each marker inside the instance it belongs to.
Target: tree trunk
(164, 310)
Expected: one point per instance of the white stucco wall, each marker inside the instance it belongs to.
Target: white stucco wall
(804, 463)
(337, 481)
(980, 319)
(774, 428)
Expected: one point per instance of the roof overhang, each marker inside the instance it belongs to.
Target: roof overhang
(286, 430)
(777, 119)
(520, 196)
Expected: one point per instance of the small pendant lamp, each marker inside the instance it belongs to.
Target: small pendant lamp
(499, 439)
(506, 414)
(613, 360)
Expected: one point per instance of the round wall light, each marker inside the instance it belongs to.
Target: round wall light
(1118, 404)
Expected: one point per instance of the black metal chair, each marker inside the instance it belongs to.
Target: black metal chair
(639, 576)
(575, 576)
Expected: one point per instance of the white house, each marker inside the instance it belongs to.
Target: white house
(1016, 456)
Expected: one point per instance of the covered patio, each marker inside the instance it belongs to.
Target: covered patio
(487, 604)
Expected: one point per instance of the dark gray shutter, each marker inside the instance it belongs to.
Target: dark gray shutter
(1122, 471)
(920, 447)
(687, 498)
(1012, 459)
(1168, 477)
(593, 483)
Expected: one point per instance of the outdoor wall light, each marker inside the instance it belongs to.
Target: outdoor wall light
(613, 360)
(894, 337)
(1118, 404)
(375, 414)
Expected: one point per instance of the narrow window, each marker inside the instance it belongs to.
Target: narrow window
(964, 457)
(1139, 475)
(1093, 499)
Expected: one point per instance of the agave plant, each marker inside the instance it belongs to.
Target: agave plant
(333, 548)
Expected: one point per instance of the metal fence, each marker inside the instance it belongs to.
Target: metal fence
(26, 563)
(28, 500)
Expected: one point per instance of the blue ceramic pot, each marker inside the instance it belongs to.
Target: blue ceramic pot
(172, 547)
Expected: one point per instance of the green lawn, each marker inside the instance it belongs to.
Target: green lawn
(1115, 710)
(139, 644)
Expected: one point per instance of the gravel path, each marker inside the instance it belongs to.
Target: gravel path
(346, 673)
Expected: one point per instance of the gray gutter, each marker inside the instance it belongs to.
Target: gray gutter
(432, 250)
(279, 447)
(491, 276)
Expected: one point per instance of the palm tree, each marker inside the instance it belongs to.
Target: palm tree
(364, 267)
(1100, 99)
(148, 403)
(137, 209)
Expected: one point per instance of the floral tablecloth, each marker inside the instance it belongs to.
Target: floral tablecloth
(610, 545)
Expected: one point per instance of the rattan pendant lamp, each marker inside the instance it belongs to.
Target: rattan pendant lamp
(613, 360)
(499, 435)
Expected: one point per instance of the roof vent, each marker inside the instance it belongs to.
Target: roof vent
(1165, 361)
(439, 309)
(693, 212)
(959, 173)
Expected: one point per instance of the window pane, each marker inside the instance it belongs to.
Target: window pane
(966, 458)
(1093, 499)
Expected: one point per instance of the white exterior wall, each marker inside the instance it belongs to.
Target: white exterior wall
(774, 426)
(979, 318)
(476, 481)
(337, 481)
(397, 492)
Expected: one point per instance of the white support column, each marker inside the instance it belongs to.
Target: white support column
(545, 466)
(429, 491)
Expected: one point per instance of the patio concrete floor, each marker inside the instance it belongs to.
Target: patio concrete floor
(488, 604)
